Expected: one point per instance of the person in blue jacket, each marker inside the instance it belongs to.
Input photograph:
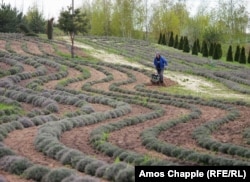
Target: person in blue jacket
(160, 63)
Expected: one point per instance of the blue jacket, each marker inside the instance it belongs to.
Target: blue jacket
(163, 62)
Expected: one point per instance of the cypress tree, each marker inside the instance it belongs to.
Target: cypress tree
(242, 58)
(160, 39)
(186, 45)
(198, 45)
(230, 54)
(219, 49)
(248, 60)
(204, 49)
(216, 52)
(194, 48)
(237, 54)
(180, 46)
(211, 49)
(163, 42)
(176, 42)
(50, 28)
(171, 40)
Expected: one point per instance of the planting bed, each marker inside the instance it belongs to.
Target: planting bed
(94, 120)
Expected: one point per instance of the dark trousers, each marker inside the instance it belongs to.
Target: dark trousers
(160, 72)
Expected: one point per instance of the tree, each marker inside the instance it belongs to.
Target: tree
(122, 19)
(211, 49)
(237, 54)
(50, 28)
(198, 45)
(73, 23)
(176, 42)
(160, 39)
(180, 47)
(233, 17)
(35, 21)
(216, 52)
(248, 59)
(101, 17)
(242, 58)
(186, 47)
(230, 54)
(171, 40)
(194, 48)
(164, 39)
(9, 18)
(204, 49)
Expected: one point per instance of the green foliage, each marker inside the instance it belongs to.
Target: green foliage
(186, 47)
(18, 165)
(180, 46)
(160, 38)
(5, 151)
(73, 23)
(9, 18)
(198, 45)
(217, 51)
(24, 28)
(163, 42)
(195, 48)
(176, 42)
(36, 172)
(92, 167)
(230, 54)
(204, 49)
(35, 21)
(57, 175)
(248, 59)
(211, 49)
(237, 54)
(171, 39)
(242, 58)
(50, 28)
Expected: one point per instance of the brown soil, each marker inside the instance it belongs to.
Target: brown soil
(4, 66)
(78, 138)
(95, 75)
(232, 132)
(48, 48)
(17, 47)
(12, 178)
(72, 73)
(2, 45)
(33, 48)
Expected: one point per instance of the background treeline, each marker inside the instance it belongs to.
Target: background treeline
(226, 23)
(206, 49)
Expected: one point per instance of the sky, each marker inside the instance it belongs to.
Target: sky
(52, 8)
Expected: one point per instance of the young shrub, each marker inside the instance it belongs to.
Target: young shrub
(125, 175)
(5, 152)
(80, 166)
(36, 172)
(67, 157)
(74, 178)
(113, 170)
(101, 170)
(57, 175)
(92, 167)
(52, 108)
(14, 164)
(26, 122)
